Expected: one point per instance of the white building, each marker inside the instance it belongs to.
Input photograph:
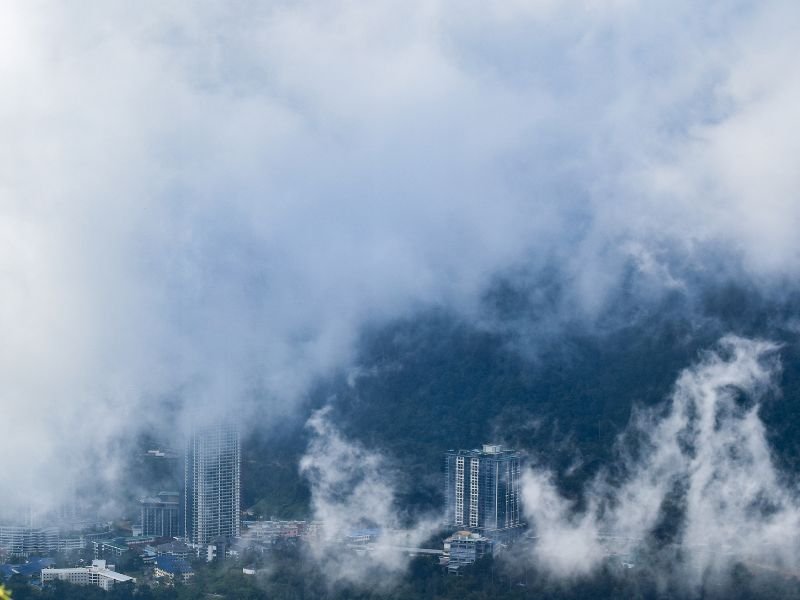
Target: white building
(23, 541)
(70, 544)
(212, 485)
(99, 574)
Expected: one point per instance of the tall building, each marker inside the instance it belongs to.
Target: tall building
(161, 515)
(212, 484)
(482, 490)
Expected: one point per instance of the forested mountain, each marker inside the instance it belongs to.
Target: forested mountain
(436, 381)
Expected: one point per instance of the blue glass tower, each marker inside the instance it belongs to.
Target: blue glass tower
(482, 490)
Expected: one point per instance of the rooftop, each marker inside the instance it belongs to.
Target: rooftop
(173, 547)
(97, 566)
(467, 536)
(487, 450)
(31, 567)
(172, 564)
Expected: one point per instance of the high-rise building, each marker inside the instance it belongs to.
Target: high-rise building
(161, 515)
(482, 490)
(212, 484)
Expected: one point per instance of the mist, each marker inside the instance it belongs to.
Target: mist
(202, 208)
(354, 489)
(706, 456)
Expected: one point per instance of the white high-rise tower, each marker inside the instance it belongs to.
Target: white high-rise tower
(212, 492)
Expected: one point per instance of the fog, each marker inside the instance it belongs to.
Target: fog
(707, 458)
(201, 207)
(354, 489)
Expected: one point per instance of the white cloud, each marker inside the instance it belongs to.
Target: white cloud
(353, 488)
(205, 201)
(712, 445)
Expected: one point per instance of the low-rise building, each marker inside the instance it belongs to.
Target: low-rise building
(138, 544)
(24, 541)
(71, 544)
(172, 568)
(109, 548)
(464, 548)
(273, 530)
(98, 573)
(160, 515)
(176, 549)
(361, 537)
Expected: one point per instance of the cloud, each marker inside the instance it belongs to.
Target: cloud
(206, 204)
(708, 456)
(353, 489)
(567, 543)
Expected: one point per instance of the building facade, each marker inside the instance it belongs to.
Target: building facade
(212, 484)
(464, 548)
(98, 574)
(24, 541)
(172, 568)
(482, 490)
(161, 515)
(176, 549)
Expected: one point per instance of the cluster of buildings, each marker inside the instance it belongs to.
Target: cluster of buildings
(208, 509)
(265, 534)
(203, 520)
(200, 521)
(482, 505)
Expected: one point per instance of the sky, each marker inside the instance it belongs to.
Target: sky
(208, 202)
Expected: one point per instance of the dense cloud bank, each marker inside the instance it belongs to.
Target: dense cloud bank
(203, 205)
